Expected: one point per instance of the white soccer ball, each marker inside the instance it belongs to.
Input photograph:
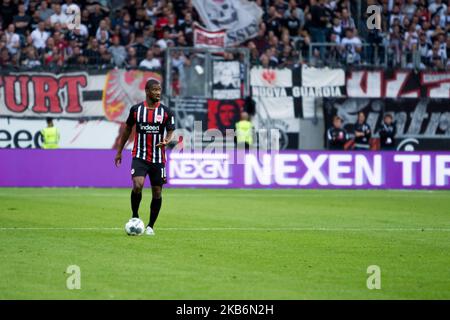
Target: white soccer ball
(134, 227)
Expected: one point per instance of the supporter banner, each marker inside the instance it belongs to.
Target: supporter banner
(189, 110)
(226, 80)
(72, 95)
(223, 114)
(94, 134)
(203, 38)
(296, 169)
(420, 122)
(283, 96)
(240, 18)
(398, 84)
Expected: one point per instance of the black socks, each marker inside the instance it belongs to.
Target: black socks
(154, 211)
(135, 201)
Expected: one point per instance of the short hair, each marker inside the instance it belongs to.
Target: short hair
(388, 115)
(49, 119)
(150, 83)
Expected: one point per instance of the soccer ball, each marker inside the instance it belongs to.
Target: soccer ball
(134, 227)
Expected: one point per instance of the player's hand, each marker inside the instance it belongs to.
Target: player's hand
(162, 143)
(118, 159)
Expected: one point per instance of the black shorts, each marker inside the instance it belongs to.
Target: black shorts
(156, 171)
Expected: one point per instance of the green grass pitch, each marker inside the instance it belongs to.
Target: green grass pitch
(226, 244)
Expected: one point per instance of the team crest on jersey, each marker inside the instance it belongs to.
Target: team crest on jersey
(159, 118)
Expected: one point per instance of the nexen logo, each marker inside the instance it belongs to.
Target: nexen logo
(199, 171)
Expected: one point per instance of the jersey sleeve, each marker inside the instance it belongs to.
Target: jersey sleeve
(170, 122)
(131, 118)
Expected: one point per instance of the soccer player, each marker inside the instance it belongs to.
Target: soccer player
(151, 119)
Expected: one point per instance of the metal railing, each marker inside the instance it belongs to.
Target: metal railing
(195, 74)
(337, 55)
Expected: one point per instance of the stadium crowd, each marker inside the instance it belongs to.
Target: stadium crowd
(135, 33)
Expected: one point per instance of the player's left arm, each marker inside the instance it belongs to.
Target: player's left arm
(170, 127)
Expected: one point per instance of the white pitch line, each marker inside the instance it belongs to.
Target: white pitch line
(234, 229)
(419, 194)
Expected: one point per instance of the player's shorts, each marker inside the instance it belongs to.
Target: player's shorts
(155, 171)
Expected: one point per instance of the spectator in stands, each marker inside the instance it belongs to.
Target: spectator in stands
(44, 11)
(347, 21)
(31, 59)
(387, 132)
(265, 62)
(92, 53)
(5, 59)
(273, 21)
(53, 56)
(395, 45)
(438, 9)
(409, 8)
(424, 47)
(319, 22)
(299, 13)
(141, 20)
(105, 56)
(102, 33)
(8, 10)
(39, 37)
(131, 55)
(22, 21)
(436, 57)
(186, 27)
(95, 17)
(140, 47)
(125, 31)
(12, 40)
(150, 62)
(148, 35)
(337, 137)
(362, 133)
(118, 52)
(76, 58)
(35, 19)
(292, 23)
(351, 47)
(58, 16)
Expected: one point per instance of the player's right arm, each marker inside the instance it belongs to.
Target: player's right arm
(125, 135)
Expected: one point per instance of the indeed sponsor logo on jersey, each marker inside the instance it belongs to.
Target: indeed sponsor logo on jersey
(148, 128)
(199, 169)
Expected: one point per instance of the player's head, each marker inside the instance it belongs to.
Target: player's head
(337, 122)
(49, 122)
(153, 90)
(388, 118)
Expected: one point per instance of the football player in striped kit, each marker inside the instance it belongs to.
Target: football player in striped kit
(152, 120)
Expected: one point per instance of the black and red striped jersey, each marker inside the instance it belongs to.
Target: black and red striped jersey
(151, 125)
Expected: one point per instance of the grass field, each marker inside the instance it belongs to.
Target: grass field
(226, 244)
